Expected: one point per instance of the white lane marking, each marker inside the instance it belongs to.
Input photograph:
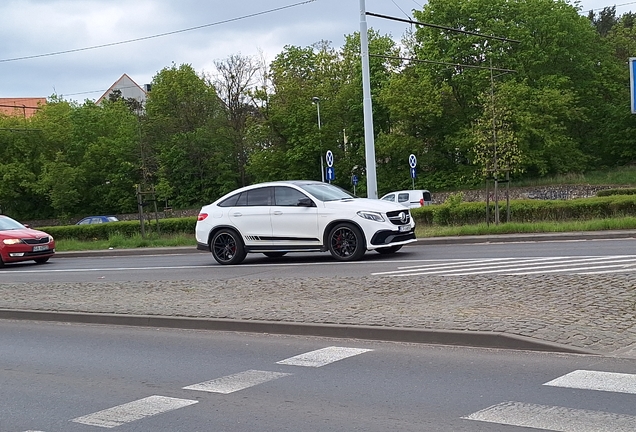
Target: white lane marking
(136, 410)
(322, 356)
(15, 270)
(470, 263)
(522, 267)
(236, 382)
(554, 418)
(596, 380)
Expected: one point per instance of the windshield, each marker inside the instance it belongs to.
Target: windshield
(326, 191)
(7, 223)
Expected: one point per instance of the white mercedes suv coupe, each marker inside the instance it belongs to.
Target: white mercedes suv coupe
(300, 216)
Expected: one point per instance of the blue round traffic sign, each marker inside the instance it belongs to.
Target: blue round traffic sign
(329, 158)
(412, 161)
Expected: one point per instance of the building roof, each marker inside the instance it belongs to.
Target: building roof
(128, 89)
(21, 106)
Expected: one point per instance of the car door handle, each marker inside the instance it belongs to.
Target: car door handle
(237, 214)
(278, 212)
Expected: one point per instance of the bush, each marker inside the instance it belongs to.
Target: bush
(109, 230)
(528, 211)
(610, 192)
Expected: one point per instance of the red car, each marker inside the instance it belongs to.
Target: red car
(21, 243)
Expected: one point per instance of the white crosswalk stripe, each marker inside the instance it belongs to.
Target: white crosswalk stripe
(519, 266)
(561, 419)
(554, 418)
(132, 411)
(322, 356)
(595, 380)
(233, 383)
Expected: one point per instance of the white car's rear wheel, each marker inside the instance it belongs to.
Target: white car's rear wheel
(227, 247)
(346, 242)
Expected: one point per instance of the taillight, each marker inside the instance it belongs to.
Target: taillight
(202, 216)
(421, 202)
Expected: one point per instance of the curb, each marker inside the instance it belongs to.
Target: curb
(391, 334)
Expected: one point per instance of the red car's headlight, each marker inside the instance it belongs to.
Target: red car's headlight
(11, 241)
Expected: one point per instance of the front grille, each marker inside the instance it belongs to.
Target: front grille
(399, 217)
(35, 241)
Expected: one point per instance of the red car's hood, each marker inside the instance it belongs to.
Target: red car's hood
(23, 233)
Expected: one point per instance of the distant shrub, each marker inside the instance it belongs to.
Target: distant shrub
(620, 191)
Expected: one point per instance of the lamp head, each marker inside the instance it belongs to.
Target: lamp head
(315, 99)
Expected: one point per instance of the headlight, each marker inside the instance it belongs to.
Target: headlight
(374, 216)
(11, 241)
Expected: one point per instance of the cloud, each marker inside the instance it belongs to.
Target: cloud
(34, 27)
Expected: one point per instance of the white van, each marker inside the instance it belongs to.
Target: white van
(409, 198)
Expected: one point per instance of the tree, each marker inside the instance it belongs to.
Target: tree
(184, 128)
(234, 82)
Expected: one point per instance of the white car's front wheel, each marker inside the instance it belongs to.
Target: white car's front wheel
(346, 242)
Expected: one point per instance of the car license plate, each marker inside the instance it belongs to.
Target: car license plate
(404, 228)
(40, 248)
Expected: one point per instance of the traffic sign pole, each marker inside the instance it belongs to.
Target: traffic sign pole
(413, 164)
(331, 172)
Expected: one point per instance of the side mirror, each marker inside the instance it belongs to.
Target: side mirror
(305, 202)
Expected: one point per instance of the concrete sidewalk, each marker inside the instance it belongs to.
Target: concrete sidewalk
(566, 313)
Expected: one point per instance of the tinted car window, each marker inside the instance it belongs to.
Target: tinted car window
(326, 191)
(427, 196)
(259, 197)
(403, 197)
(229, 202)
(286, 196)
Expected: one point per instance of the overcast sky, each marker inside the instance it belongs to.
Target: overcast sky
(39, 27)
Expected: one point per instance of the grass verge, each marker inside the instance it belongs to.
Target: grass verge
(122, 242)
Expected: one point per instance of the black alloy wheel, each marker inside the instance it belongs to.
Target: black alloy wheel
(346, 242)
(227, 247)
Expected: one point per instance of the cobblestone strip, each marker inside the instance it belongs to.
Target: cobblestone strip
(592, 312)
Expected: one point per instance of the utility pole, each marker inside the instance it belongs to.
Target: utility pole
(316, 100)
(369, 143)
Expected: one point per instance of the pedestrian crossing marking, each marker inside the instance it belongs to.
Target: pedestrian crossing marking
(554, 418)
(595, 380)
(519, 266)
(233, 383)
(136, 410)
(322, 356)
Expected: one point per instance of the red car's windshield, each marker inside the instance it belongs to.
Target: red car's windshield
(7, 223)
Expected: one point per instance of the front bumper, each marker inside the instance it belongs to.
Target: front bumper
(392, 238)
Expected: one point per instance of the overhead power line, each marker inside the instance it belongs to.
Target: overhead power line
(442, 27)
(158, 35)
(616, 5)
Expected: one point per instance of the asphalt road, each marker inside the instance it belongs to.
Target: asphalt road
(72, 378)
(575, 256)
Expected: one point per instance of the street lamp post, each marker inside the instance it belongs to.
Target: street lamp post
(316, 100)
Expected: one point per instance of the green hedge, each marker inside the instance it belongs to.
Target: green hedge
(610, 192)
(465, 213)
(468, 213)
(125, 228)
